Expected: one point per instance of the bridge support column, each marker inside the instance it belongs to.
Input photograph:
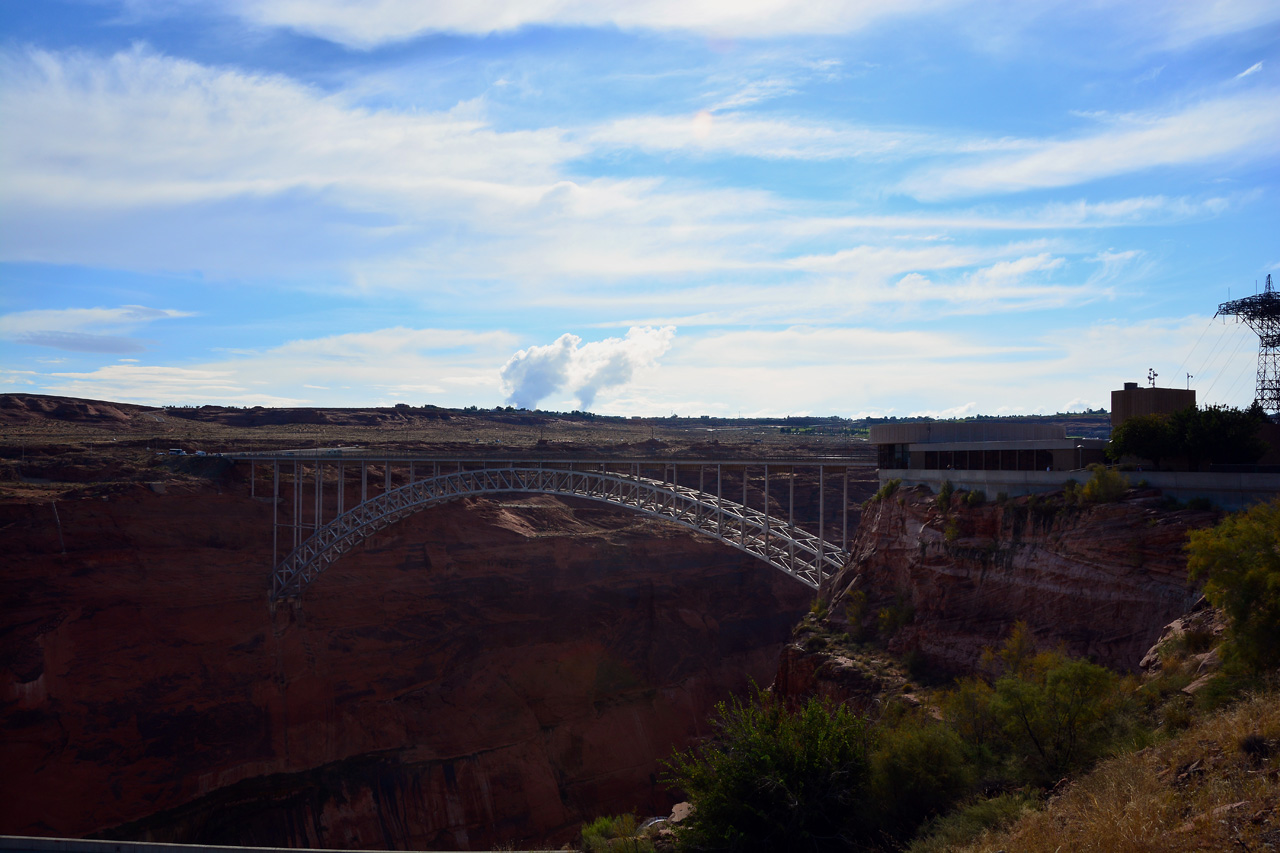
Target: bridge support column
(822, 496)
(844, 510)
(719, 505)
(297, 504)
(275, 514)
(791, 515)
(766, 510)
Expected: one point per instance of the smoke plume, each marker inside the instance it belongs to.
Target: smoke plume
(583, 369)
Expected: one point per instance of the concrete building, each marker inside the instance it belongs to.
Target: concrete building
(983, 446)
(1133, 400)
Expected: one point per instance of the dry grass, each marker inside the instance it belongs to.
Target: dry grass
(1215, 787)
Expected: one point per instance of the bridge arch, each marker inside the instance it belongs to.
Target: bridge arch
(790, 549)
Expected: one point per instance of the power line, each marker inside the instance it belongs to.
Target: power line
(1197, 343)
(1224, 368)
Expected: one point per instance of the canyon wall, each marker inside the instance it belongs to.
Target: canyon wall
(484, 672)
(1100, 580)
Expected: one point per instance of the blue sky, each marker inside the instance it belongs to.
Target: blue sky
(650, 207)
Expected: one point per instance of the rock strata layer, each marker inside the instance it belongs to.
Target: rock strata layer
(1101, 580)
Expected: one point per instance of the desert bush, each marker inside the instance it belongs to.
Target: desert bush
(965, 824)
(945, 491)
(1105, 486)
(1240, 562)
(886, 489)
(855, 612)
(976, 497)
(775, 779)
(918, 769)
(618, 833)
(1057, 712)
(1038, 714)
(893, 618)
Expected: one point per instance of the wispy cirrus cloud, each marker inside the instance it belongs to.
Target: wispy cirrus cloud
(1172, 24)
(1243, 126)
(742, 134)
(90, 330)
(384, 366)
(353, 25)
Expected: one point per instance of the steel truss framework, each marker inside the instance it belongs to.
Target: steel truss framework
(1262, 312)
(781, 543)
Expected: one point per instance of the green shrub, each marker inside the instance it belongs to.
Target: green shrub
(617, 833)
(855, 612)
(944, 495)
(1105, 486)
(774, 779)
(1240, 561)
(886, 489)
(966, 824)
(891, 619)
(1071, 492)
(1043, 714)
(977, 497)
(918, 769)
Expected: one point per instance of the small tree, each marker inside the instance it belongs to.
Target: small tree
(1240, 560)
(1045, 713)
(1219, 434)
(774, 779)
(1105, 486)
(1144, 436)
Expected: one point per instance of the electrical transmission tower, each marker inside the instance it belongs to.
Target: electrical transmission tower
(1262, 312)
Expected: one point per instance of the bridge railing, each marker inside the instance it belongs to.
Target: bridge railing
(785, 546)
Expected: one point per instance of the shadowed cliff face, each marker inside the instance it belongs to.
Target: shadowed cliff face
(1100, 580)
(481, 672)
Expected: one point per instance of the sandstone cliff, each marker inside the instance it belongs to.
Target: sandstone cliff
(483, 672)
(1101, 580)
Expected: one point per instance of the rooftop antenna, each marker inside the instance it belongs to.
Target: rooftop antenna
(1151, 376)
(1262, 312)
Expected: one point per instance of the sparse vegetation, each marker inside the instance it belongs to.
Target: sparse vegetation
(944, 495)
(774, 779)
(619, 833)
(1105, 486)
(1240, 562)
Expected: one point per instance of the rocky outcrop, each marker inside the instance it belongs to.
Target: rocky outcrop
(861, 680)
(481, 673)
(1100, 580)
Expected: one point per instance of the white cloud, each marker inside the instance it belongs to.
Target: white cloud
(1171, 24)
(1244, 126)
(740, 134)
(1252, 69)
(583, 370)
(141, 128)
(98, 330)
(388, 366)
(355, 25)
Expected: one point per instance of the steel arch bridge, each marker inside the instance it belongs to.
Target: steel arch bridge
(803, 555)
